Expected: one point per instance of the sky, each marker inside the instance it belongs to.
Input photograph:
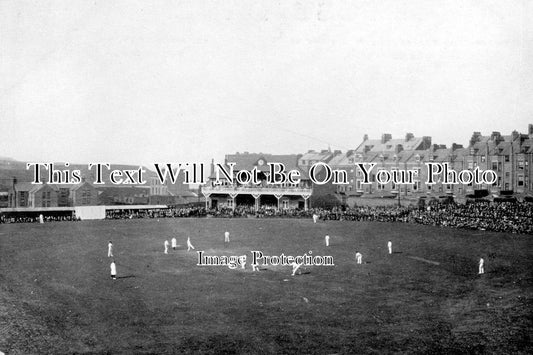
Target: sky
(140, 82)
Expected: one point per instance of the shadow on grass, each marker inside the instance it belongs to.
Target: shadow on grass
(125, 277)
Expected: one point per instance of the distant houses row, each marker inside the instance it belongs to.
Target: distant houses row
(509, 156)
(28, 195)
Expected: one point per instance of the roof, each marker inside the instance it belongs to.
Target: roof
(249, 161)
(28, 186)
(343, 159)
(316, 156)
(120, 191)
(442, 155)
(73, 187)
(375, 145)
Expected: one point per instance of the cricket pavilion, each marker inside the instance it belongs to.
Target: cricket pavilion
(261, 195)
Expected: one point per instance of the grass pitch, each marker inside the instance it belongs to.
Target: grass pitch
(56, 295)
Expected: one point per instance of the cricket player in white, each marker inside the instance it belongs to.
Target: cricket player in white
(389, 245)
(113, 270)
(359, 257)
(41, 218)
(481, 268)
(166, 246)
(189, 244)
(174, 243)
(226, 237)
(315, 217)
(295, 267)
(327, 240)
(110, 250)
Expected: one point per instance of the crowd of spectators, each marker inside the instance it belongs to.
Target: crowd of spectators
(513, 217)
(35, 218)
(171, 212)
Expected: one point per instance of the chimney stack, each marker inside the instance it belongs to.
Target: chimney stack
(385, 137)
(456, 146)
(426, 143)
(476, 137)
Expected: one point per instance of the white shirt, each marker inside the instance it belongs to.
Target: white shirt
(174, 242)
(113, 269)
(166, 243)
(226, 235)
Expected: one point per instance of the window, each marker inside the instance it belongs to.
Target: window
(381, 186)
(521, 180)
(230, 202)
(494, 165)
(470, 165)
(45, 202)
(416, 186)
(506, 158)
(86, 197)
(285, 204)
(520, 165)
